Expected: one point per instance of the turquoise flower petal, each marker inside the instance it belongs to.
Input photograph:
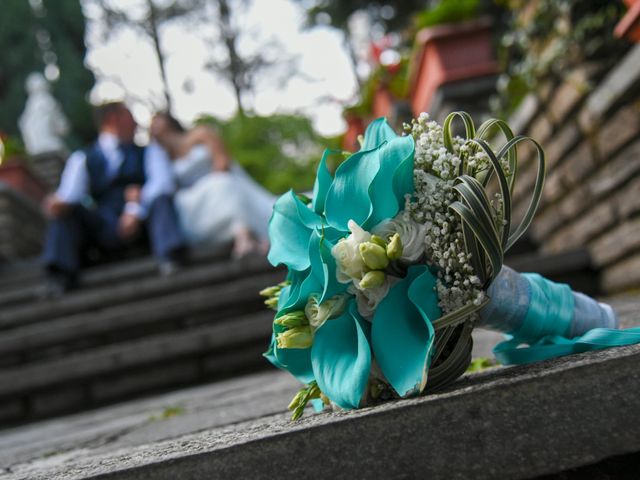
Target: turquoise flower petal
(322, 183)
(285, 293)
(341, 358)
(378, 132)
(270, 354)
(403, 179)
(290, 227)
(296, 361)
(295, 279)
(331, 285)
(317, 404)
(423, 295)
(348, 197)
(323, 267)
(402, 334)
(391, 183)
(370, 185)
(320, 278)
(297, 298)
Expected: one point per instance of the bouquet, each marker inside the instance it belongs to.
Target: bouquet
(399, 255)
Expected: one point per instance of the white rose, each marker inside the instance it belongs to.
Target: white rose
(347, 254)
(412, 235)
(317, 314)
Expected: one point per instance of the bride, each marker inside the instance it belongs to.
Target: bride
(217, 201)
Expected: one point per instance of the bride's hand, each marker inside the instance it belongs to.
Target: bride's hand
(132, 193)
(128, 226)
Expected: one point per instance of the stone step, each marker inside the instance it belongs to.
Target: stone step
(131, 289)
(115, 372)
(23, 281)
(18, 271)
(135, 317)
(522, 422)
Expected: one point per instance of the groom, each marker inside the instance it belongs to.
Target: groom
(107, 193)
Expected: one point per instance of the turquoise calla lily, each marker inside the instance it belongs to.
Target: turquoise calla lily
(402, 334)
(323, 266)
(378, 132)
(318, 278)
(322, 183)
(393, 180)
(341, 358)
(371, 184)
(348, 197)
(290, 228)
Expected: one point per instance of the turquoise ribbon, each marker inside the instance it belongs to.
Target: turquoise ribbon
(546, 324)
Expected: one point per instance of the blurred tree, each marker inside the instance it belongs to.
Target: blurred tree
(20, 57)
(215, 20)
(65, 23)
(39, 34)
(148, 19)
(234, 68)
(390, 15)
(279, 151)
(242, 70)
(385, 16)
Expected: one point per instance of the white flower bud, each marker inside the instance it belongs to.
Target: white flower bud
(317, 314)
(347, 254)
(412, 236)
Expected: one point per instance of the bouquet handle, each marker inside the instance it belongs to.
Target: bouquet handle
(549, 317)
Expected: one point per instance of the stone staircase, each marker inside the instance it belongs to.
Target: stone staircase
(128, 332)
(132, 338)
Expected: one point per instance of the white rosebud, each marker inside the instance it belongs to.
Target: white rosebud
(347, 254)
(317, 314)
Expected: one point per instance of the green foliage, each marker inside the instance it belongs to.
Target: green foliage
(546, 40)
(448, 11)
(12, 146)
(167, 413)
(391, 15)
(480, 364)
(279, 151)
(395, 79)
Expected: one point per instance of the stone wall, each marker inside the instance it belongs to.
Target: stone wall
(49, 166)
(589, 126)
(21, 225)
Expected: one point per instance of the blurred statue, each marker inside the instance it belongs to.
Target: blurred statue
(42, 123)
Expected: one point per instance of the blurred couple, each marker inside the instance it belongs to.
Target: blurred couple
(181, 191)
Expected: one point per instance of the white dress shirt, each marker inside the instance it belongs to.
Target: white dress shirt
(74, 182)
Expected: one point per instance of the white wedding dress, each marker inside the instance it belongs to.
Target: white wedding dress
(213, 205)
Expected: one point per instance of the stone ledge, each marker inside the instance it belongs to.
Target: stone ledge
(518, 422)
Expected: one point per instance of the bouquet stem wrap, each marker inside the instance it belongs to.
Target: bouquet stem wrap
(549, 317)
